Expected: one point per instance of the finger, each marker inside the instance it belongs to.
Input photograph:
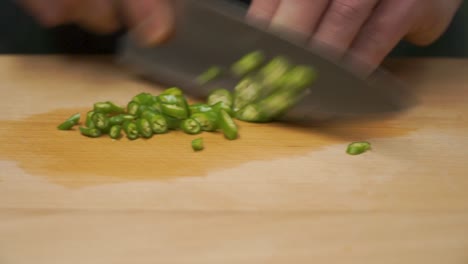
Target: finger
(98, 16)
(433, 20)
(341, 23)
(389, 23)
(299, 16)
(152, 20)
(48, 12)
(261, 11)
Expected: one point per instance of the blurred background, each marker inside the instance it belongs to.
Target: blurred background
(19, 33)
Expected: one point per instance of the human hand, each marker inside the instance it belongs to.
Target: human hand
(366, 30)
(152, 19)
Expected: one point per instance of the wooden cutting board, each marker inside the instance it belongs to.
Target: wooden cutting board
(279, 194)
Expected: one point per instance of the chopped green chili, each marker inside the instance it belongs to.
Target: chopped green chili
(70, 122)
(144, 128)
(207, 120)
(248, 63)
(101, 121)
(143, 99)
(157, 122)
(89, 119)
(246, 92)
(175, 111)
(357, 148)
(132, 108)
(115, 132)
(222, 106)
(190, 126)
(200, 108)
(90, 132)
(173, 91)
(197, 144)
(209, 75)
(220, 95)
(131, 130)
(227, 125)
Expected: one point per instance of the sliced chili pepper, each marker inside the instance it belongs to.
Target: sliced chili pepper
(209, 75)
(175, 111)
(70, 122)
(228, 126)
(208, 121)
(90, 132)
(190, 126)
(357, 148)
(115, 132)
(132, 108)
(157, 122)
(143, 99)
(197, 144)
(89, 119)
(144, 128)
(248, 63)
(131, 130)
(101, 121)
(220, 95)
(200, 108)
(173, 91)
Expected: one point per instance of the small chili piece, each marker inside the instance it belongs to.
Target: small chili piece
(115, 132)
(70, 122)
(190, 126)
(90, 132)
(197, 144)
(357, 148)
(228, 126)
(131, 130)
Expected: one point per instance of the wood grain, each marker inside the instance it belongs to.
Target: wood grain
(280, 194)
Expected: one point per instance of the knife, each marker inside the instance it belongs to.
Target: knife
(213, 32)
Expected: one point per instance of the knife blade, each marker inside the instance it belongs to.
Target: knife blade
(213, 32)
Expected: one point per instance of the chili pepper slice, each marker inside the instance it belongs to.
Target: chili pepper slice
(228, 126)
(190, 126)
(70, 122)
(115, 132)
(144, 128)
(357, 148)
(248, 63)
(90, 132)
(131, 130)
(197, 144)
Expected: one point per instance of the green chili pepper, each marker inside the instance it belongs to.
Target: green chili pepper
(199, 108)
(143, 99)
(209, 75)
(222, 106)
(251, 113)
(169, 99)
(157, 122)
(90, 132)
(173, 91)
(220, 95)
(131, 130)
(144, 128)
(175, 111)
(228, 126)
(190, 126)
(132, 108)
(89, 119)
(298, 78)
(357, 148)
(248, 63)
(70, 122)
(120, 119)
(172, 123)
(115, 132)
(101, 121)
(208, 120)
(246, 92)
(145, 108)
(272, 73)
(197, 144)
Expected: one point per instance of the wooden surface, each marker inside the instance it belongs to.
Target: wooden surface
(279, 194)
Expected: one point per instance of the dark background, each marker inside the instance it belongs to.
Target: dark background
(19, 33)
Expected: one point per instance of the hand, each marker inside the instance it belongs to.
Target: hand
(363, 29)
(152, 19)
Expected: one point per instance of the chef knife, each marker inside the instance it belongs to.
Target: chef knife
(213, 32)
